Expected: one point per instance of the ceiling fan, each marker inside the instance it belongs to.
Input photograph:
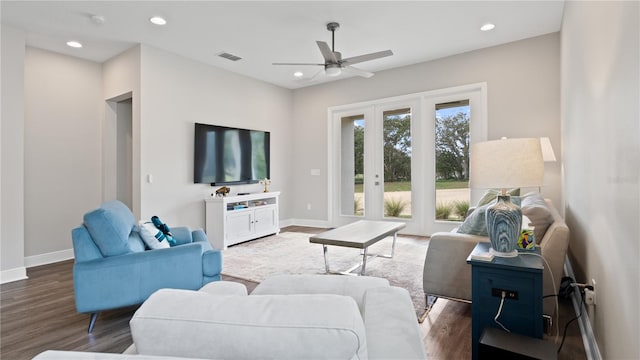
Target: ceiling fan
(334, 64)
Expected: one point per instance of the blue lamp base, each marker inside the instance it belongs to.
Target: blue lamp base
(504, 220)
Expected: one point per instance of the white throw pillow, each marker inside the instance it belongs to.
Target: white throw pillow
(149, 233)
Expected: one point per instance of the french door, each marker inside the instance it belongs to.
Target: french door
(376, 162)
(384, 161)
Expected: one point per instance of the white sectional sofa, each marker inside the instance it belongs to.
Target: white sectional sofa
(285, 317)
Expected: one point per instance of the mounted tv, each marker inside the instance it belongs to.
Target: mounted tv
(227, 155)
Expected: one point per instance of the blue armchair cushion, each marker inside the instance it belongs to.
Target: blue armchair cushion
(110, 226)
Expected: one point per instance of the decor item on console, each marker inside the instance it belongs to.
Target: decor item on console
(505, 164)
(222, 191)
(265, 182)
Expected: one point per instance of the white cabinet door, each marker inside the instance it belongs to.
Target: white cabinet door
(239, 226)
(265, 220)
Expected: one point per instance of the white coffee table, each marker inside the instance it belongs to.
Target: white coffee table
(360, 234)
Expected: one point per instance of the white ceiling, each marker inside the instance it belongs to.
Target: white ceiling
(263, 32)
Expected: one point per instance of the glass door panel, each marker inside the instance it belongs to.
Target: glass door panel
(352, 129)
(396, 167)
(452, 160)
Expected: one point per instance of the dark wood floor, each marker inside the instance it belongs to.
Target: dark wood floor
(39, 314)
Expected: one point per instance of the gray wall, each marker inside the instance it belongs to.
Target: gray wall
(600, 132)
(523, 101)
(12, 175)
(62, 120)
(177, 92)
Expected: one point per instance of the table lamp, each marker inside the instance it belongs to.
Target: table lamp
(505, 164)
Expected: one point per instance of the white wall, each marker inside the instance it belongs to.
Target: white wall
(523, 81)
(176, 93)
(12, 147)
(67, 133)
(62, 160)
(600, 130)
(121, 80)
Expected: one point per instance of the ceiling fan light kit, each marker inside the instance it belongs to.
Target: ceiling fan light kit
(333, 61)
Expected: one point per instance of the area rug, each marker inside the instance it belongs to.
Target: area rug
(291, 253)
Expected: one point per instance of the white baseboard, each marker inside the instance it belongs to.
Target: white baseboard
(588, 337)
(15, 274)
(48, 258)
(310, 223)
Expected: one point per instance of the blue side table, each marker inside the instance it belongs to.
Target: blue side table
(521, 279)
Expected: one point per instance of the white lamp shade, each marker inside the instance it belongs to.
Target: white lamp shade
(547, 150)
(506, 164)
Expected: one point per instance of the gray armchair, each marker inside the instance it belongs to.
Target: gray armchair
(446, 273)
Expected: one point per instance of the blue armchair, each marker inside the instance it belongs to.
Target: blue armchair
(112, 269)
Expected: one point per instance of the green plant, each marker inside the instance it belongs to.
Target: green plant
(443, 210)
(357, 206)
(461, 206)
(394, 207)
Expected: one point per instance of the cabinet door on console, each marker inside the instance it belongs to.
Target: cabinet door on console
(239, 226)
(265, 219)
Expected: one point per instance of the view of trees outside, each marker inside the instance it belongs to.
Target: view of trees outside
(451, 163)
(452, 160)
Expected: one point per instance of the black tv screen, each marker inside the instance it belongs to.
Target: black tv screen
(226, 155)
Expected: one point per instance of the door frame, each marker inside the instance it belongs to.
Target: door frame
(478, 132)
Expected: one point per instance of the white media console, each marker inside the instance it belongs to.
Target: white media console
(233, 219)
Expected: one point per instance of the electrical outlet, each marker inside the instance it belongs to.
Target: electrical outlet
(508, 294)
(590, 295)
(308, 206)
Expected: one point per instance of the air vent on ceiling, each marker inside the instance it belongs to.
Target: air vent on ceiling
(230, 56)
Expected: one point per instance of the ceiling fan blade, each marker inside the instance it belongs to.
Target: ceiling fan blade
(366, 57)
(296, 64)
(356, 71)
(328, 55)
(316, 75)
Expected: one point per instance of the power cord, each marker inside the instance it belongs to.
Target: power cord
(504, 294)
(553, 282)
(566, 326)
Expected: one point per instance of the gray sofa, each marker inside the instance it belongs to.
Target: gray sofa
(446, 273)
(285, 317)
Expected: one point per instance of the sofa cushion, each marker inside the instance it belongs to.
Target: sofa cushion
(110, 226)
(135, 243)
(353, 287)
(222, 287)
(391, 326)
(317, 326)
(535, 208)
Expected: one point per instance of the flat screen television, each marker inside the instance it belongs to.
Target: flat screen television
(226, 155)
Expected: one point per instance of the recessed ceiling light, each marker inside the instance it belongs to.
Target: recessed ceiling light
(298, 74)
(487, 27)
(158, 20)
(74, 44)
